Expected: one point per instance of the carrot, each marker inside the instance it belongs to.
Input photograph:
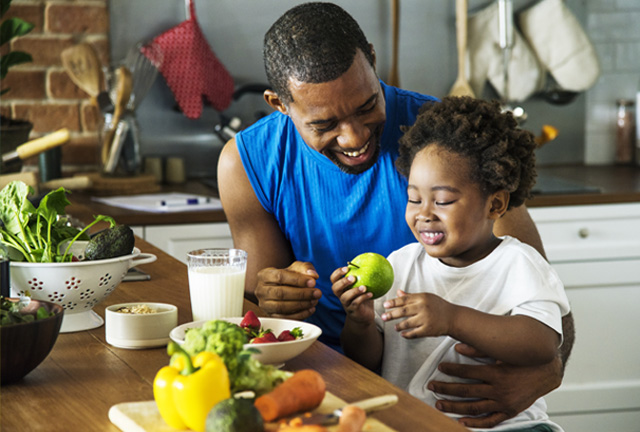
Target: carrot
(302, 392)
(352, 419)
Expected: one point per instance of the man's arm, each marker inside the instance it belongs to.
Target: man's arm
(517, 223)
(252, 228)
(281, 286)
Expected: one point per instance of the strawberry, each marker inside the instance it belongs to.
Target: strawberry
(289, 335)
(250, 322)
(265, 337)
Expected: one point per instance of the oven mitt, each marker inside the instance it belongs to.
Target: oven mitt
(526, 75)
(560, 44)
(191, 69)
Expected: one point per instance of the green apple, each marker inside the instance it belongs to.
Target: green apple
(373, 271)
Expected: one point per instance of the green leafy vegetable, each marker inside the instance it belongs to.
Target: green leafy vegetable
(227, 340)
(11, 313)
(37, 233)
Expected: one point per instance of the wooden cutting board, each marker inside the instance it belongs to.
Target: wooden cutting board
(110, 186)
(144, 416)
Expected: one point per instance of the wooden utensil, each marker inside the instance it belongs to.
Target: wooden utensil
(461, 86)
(37, 146)
(123, 93)
(83, 67)
(394, 78)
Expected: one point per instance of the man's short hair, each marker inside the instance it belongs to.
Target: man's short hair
(313, 43)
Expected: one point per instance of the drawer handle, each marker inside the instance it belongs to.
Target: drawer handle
(583, 232)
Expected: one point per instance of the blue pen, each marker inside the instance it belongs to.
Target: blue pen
(184, 201)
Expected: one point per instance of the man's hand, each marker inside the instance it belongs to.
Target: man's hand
(288, 293)
(503, 390)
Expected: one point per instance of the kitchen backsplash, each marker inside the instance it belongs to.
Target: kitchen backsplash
(615, 33)
(234, 30)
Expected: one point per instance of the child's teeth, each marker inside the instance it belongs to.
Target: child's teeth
(357, 153)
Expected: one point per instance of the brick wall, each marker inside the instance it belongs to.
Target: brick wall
(41, 91)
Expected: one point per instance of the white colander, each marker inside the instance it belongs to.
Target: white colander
(77, 286)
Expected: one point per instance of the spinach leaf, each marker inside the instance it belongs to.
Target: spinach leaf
(35, 234)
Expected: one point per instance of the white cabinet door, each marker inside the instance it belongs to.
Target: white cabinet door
(178, 240)
(596, 251)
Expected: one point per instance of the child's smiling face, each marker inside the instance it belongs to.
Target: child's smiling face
(448, 213)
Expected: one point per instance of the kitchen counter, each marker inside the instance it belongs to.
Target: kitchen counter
(615, 184)
(83, 376)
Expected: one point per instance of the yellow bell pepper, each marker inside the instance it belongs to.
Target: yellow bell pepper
(187, 389)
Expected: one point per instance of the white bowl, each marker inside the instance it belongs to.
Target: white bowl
(270, 353)
(76, 286)
(133, 331)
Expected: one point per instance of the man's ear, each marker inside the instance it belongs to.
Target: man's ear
(274, 101)
(373, 55)
(499, 204)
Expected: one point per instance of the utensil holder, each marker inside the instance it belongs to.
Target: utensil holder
(124, 155)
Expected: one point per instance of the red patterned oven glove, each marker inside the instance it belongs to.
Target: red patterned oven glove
(191, 69)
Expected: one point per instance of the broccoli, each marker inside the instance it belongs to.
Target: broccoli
(258, 377)
(221, 337)
(227, 340)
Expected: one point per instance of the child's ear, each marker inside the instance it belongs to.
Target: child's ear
(499, 204)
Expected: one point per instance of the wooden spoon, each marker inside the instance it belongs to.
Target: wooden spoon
(83, 67)
(461, 86)
(123, 93)
(394, 79)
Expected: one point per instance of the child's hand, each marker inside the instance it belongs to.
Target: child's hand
(426, 314)
(356, 301)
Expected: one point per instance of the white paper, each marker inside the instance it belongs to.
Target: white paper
(154, 202)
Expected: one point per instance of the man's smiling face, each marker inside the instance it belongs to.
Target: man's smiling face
(342, 119)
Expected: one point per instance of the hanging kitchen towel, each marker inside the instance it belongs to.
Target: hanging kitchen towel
(560, 44)
(191, 69)
(487, 62)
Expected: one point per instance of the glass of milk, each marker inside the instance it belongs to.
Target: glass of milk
(216, 283)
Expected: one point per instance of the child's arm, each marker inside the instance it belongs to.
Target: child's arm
(360, 339)
(518, 339)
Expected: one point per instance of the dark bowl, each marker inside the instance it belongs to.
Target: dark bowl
(24, 346)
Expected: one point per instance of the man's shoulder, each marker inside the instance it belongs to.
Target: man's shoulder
(270, 123)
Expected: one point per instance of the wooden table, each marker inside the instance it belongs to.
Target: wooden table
(73, 389)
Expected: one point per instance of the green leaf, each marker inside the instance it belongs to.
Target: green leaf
(14, 27)
(12, 59)
(15, 208)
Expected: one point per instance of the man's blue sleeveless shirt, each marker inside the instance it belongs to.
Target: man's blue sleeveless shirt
(328, 216)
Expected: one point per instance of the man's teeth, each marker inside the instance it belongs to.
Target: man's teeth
(357, 153)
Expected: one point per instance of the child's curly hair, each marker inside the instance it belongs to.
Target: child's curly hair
(501, 154)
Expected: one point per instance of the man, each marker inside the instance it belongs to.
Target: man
(314, 184)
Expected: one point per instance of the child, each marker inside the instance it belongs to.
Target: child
(467, 163)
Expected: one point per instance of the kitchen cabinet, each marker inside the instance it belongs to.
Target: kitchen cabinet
(596, 251)
(178, 240)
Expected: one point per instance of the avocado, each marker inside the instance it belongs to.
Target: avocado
(234, 415)
(110, 243)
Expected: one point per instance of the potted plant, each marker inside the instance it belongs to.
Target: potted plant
(13, 132)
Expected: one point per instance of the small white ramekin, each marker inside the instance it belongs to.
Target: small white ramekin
(135, 331)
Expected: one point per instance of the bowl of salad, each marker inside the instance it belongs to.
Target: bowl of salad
(28, 331)
(271, 340)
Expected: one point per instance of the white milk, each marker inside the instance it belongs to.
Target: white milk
(216, 292)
